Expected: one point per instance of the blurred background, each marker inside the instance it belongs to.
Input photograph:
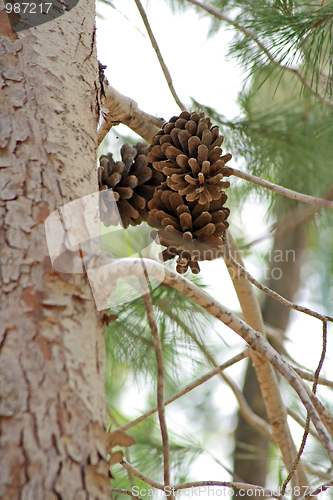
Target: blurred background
(245, 72)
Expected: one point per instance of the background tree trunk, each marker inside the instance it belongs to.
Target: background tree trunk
(251, 448)
(52, 409)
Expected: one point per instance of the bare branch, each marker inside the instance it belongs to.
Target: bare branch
(326, 475)
(307, 423)
(141, 476)
(322, 411)
(293, 219)
(160, 377)
(310, 377)
(318, 490)
(133, 267)
(154, 43)
(197, 484)
(118, 108)
(124, 492)
(294, 195)
(248, 414)
(294, 415)
(222, 17)
(236, 485)
(246, 411)
(269, 386)
(230, 260)
(196, 383)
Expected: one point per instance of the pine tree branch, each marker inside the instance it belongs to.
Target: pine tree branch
(319, 490)
(142, 476)
(294, 195)
(117, 108)
(160, 376)
(196, 383)
(315, 472)
(222, 17)
(133, 267)
(236, 485)
(307, 423)
(269, 386)
(326, 417)
(154, 43)
(322, 411)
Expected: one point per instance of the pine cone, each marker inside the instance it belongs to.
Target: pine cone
(133, 182)
(191, 230)
(187, 150)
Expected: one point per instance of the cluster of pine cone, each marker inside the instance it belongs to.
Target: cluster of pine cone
(176, 185)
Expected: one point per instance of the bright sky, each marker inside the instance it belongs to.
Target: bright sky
(199, 68)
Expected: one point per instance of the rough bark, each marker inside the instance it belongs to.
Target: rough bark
(52, 406)
(251, 449)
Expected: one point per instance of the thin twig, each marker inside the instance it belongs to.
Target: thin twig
(294, 195)
(160, 378)
(197, 484)
(321, 474)
(307, 423)
(310, 377)
(154, 43)
(318, 490)
(326, 417)
(295, 416)
(142, 476)
(125, 492)
(293, 219)
(322, 359)
(246, 411)
(248, 414)
(269, 385)
(273, 294)
(196, 383)
(117, 108)
(231, 484)
(133, 267)
(126, 450)
(222, 17)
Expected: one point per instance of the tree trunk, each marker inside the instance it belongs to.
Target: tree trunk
(251, 449)
(52, 410)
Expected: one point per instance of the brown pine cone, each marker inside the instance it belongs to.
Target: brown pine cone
(133, 182)
(190, 230)
(187, 150)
